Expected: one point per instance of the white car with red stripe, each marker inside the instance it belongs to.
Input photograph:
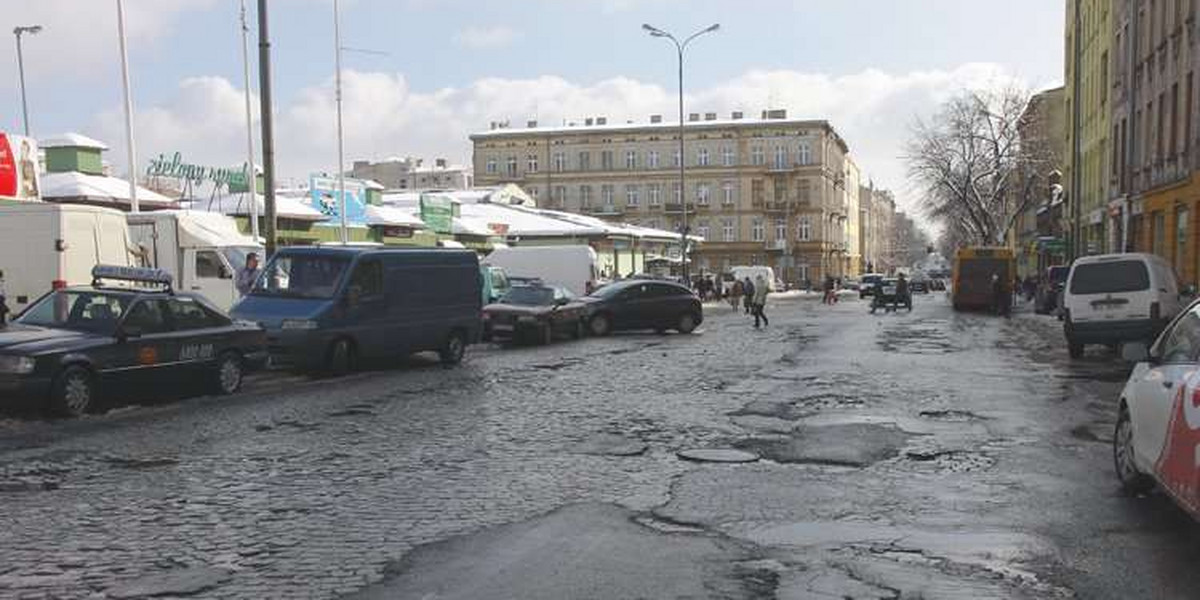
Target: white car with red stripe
(1157, 439)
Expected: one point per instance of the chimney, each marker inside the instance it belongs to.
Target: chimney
(588, 122)
(656, 118)
(492, 126)
(531, 124)
(710, 116)
(440, 162)
(694, 117)
(764, 115)
(602, 120)
(737, 115)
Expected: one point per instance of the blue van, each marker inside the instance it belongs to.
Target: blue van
(326, 308)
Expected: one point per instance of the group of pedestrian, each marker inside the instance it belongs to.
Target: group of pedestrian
(707, 289)
(831, 290)
(753, 295)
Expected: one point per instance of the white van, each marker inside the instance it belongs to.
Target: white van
(44, 246)
(1115, 298)
(573, 267)
(767, 273)
(201, 250)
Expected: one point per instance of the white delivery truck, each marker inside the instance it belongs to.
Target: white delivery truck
(201, 250)
(44, 246)
(740, 273)
(573, 267)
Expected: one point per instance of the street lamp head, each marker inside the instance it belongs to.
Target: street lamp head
(654, 31)
(713, 27)
(26, 29)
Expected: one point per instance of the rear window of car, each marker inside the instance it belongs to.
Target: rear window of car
(1110, 277)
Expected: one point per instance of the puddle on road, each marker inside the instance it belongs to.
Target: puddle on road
(612, 445)
(849, 445)
(951, 415)
(1101, 433)
(771, 408)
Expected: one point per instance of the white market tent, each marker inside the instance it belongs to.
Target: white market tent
(81, 188)
(392, 216)
(286, 207)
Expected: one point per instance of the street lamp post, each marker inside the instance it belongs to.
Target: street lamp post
(679, 48)
(17, 31)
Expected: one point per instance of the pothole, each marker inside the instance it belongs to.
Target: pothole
(818, 402)
(612, 445)
(139, 462)
(951, 461)
(1093, 432)
(771, 408)
(957, 416)
(718, 455)
(851, 445)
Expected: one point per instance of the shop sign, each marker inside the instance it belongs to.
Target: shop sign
(438, 212)
(323, 196)
(174, 167)
(18, 167)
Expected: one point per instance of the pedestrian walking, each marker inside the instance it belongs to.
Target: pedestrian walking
(828, 288)
(1000, 296)
(247, 275)
(748, 294)
(3, 302)
(760, 301)
(735, 295)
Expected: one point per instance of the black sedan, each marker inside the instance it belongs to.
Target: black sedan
(918, 286)
(74, 342)
(537, 312)
(640, 304)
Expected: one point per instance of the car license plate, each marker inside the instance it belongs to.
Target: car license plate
(889, 291)
(504, 328)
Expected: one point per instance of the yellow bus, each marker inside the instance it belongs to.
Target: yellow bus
(973, 271)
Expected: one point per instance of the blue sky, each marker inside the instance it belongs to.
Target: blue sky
(871, 66)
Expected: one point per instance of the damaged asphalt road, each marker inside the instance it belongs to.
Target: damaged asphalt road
(835, 454)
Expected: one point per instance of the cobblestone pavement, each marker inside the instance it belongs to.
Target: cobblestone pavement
(929, 454)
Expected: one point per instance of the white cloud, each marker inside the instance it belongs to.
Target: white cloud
(486, 37)
(383, 116)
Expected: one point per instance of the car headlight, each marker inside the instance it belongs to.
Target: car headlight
(18, 365)
(298, 324)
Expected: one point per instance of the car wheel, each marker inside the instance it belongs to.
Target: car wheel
(228, 377)
(1132, 480)
(600, 325)
(454, 349)
(687, 323)
(74, 392)
(341, 357)
(1074, 349)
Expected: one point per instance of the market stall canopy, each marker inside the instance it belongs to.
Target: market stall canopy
(392, 216)
(81, 188)
(517, 221)
(239, 204)
(71, 140)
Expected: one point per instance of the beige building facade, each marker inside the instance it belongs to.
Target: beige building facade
(760, 191)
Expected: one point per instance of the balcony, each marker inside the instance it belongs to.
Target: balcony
(677, 207)
(776, 245)
(607, 210)
(779, 206)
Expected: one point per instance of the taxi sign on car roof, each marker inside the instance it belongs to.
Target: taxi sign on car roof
(140, 275)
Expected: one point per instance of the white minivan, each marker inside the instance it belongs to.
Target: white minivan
(574, 267)
(1115, 298)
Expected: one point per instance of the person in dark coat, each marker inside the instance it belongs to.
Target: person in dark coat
(748, 294)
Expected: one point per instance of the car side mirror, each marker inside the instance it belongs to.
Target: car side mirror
(1136, 352)
(226, 273)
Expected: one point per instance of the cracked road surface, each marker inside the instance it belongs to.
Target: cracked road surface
(930, 455)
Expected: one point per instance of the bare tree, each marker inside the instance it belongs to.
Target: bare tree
(976, 173)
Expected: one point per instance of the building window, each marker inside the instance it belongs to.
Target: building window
(1187, 116)
(511, 166)
(757, 192)
(702, 157)
(655, 194)
(702, 194)
(727, 193)
(675, 161)
(804, 191)
(757, 157)
(606, 195)
(780, 190)
(606, 160)
(631, 195)
(585, 196)
(781, 155)
(677, 193)
(727, 156)
(585, 161)
(780, 229)
(702, 228)
(1181, 235)
(652, 159)
(728, 231)
(533, 193)
(491, 166)
(758, 230)
(804, 153)
(560, 162)
(1174, 119)
(560, 196)
(804, 229)
(531, 163)
(630, 159)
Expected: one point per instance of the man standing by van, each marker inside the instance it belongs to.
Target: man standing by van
(760, 301)
(247, 275)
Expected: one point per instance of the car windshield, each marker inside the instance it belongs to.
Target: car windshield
(529, 296)
(301, 276)
(95, 312)
(236, 255)
(607, 291)
(1111, 277)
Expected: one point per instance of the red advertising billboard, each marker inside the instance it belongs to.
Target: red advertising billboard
(18, 167)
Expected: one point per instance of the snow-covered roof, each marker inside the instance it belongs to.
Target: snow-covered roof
(371, 184)
(71, 140)
(73, 185)
(286, 207)
(662, 125)
(527, 222)
(393, 216)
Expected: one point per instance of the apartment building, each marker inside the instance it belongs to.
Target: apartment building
(396, 173)
(1156, 188)
(1092, 96)
(877, 210)
(760, 191)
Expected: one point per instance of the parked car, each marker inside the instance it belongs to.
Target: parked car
(495, 283)
(633, 304)
(886, 296)
(326, 308)
(867, 285)
(536, 312)
(1116, 298)
(1158, 422)
(1048, 297)
(75, 342)
(918, 286)
(937, 285)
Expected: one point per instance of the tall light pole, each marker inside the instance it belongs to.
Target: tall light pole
(679, 48)
(17, 31)
(131, 151)
(337, 95)
(251, 173)
(268, 136)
